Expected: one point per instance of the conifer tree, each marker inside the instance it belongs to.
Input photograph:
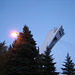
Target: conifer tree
(40, 64)
(25, 40)
(68, 66)
(23, 51)
(3, 52)
(50, 69)
(2, 48)
(45, 64)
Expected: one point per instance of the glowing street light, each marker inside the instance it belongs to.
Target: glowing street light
(14, 34)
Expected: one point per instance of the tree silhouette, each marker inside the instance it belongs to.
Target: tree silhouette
(23, 51)
(3, 52)
(45, 63)
(49, 64)
(68, 66)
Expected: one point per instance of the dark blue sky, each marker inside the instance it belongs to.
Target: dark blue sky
(40, 16)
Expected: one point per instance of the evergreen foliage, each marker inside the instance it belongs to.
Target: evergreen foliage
(69, 66)
(49, 64)
(3, 49)
(45, 64)
(22, 53)
(40, 64)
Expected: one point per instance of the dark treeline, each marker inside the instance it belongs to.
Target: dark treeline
(23, 58)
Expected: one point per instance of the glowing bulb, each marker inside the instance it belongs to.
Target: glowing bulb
(14, 34)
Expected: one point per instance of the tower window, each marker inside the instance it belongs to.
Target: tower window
(60, 33)
(55, 39)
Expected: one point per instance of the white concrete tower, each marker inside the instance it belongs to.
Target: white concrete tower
(53, 36)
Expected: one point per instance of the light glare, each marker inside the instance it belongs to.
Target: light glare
(14, 34)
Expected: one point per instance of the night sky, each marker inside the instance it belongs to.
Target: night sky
(40, 16)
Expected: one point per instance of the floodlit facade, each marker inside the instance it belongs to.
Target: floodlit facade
(53, 36)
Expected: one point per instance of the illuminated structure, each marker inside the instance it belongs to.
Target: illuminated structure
(53, 36)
